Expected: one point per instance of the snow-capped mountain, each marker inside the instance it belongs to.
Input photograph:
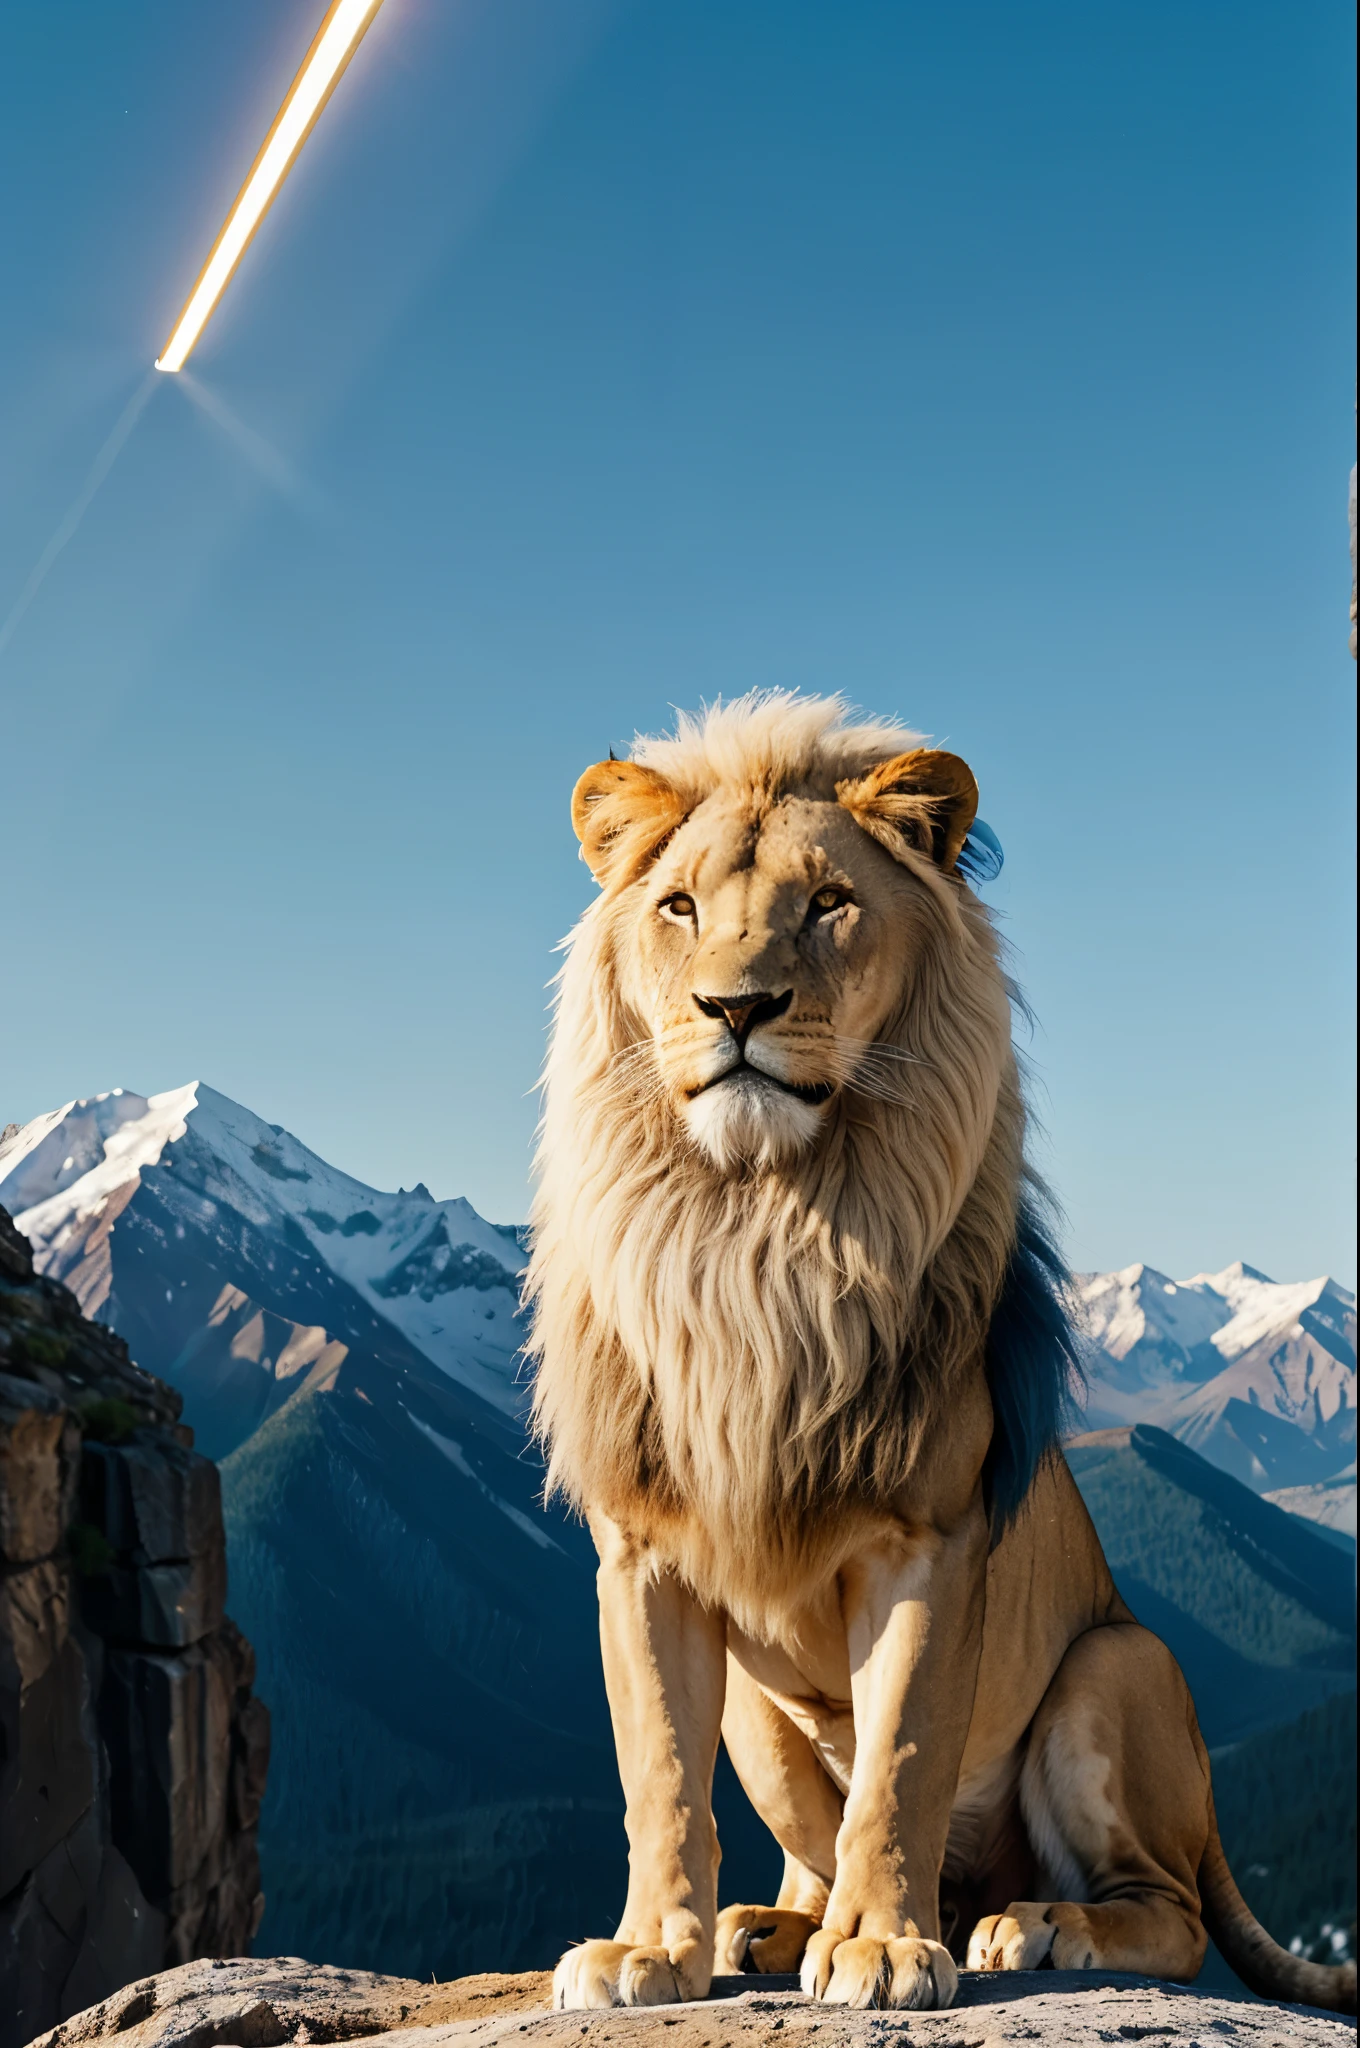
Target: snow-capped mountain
(1256, 1375)
(172, 1216)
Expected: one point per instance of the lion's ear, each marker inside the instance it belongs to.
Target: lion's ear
(927, 799)
(622, 812)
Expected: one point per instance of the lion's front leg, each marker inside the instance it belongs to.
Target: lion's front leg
(913, 1611)
(665, 1663)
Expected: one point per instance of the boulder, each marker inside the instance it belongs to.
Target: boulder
(260, 2003)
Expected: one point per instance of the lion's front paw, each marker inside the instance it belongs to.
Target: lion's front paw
(1018, 1939)
(766, 1938)
(860, 1971)
(615, 1973)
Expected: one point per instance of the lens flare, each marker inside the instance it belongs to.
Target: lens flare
(261, 454)
(332, 47)
(99, 469)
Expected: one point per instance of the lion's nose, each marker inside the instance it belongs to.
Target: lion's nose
(743, 1013)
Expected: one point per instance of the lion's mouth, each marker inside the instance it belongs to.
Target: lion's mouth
(813, 1092)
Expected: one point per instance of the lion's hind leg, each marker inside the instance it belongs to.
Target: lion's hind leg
(770, 1939)
(1115, 1797)
(797, 1801)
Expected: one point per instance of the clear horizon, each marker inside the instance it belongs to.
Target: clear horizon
(995, 368)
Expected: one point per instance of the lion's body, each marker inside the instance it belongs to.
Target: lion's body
(797, 1364)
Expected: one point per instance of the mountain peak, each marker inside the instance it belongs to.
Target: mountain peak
(84, 1179)
(1231, 1276)
(1258, 1375)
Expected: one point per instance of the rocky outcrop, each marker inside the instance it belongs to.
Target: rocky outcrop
(264, 2004)
(132, 1753)
(258, 2004)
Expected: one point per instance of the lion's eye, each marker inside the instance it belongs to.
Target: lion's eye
(679, 908)
(825, 901)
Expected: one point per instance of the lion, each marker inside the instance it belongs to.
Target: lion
(801, 1361)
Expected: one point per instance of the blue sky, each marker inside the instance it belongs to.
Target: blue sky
(992, 364)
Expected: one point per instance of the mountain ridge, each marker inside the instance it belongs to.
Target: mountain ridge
(1257, 1375)
(235, 1259)
(191, 1179)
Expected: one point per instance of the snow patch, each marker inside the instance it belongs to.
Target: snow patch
(1331, 1503)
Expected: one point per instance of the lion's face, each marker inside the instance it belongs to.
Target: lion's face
(766, 946)
(767, 956)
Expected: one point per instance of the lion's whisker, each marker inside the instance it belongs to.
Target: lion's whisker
(871, 1067)
(879, 1049)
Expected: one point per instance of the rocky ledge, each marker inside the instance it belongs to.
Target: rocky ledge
(262, 2004)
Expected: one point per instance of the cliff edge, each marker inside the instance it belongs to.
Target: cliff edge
(132, 1752)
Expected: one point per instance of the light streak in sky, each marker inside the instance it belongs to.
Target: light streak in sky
(99, 469)
(332, 47)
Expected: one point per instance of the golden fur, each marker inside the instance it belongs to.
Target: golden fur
(746, 1363)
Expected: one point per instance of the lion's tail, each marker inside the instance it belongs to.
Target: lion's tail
(1261, 1963)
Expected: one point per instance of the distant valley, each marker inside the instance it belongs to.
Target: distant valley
(443, 1795)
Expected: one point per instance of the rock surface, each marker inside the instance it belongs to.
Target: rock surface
(132, 1753)
(262, 2004)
